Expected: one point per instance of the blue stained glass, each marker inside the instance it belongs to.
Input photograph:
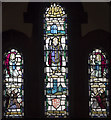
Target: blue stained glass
(60, 31)
(47, 31)
(66, 76)
(14, 66)
(22, 109)
(97, 67)
(98, 84)
(63, 32)
(49, 91)
(53, 53)
(54, 29)
(53, 59)
(66, 42)
(64, 88)
(56, 89)
(105, 83)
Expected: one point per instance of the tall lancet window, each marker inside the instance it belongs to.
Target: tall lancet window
(98, 84)
(13, 84)
(55, 59)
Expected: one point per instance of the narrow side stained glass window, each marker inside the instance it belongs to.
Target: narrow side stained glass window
(13, 84)
(56, 62)
(98, 84)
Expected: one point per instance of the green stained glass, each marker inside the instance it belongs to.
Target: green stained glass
(46, 79)
(64, 53)
(47, 104)
(13, 74)
(98, 84)
(66, 104)
(46, 55)
(56, 89)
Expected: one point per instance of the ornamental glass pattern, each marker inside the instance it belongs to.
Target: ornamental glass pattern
(56, 62)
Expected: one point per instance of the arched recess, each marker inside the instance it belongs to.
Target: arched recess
(75, 17)
(98, 84)
(13, 84)
(14, 40)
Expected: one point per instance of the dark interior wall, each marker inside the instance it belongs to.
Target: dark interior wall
(98, 16)
(12, 17)
(18, 40)
(79, 48)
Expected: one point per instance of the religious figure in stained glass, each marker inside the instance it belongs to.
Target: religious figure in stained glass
(98, 84)
(55, 59)
(13, 88)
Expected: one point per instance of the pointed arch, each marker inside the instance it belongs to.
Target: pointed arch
(13, 84)
(98, 84)
(55, 60)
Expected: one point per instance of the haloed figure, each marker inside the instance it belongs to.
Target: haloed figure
(100, 65)
(55, 57)
(100, 97)
(13, 103)
(11, 64)
(97, 67)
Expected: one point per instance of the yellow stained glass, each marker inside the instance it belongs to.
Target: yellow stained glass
(55, 11)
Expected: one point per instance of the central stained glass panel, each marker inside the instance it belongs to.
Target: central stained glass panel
(56, 62)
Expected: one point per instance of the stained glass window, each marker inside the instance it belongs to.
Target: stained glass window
(98, 84)
(13, 84)
(56, 62)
